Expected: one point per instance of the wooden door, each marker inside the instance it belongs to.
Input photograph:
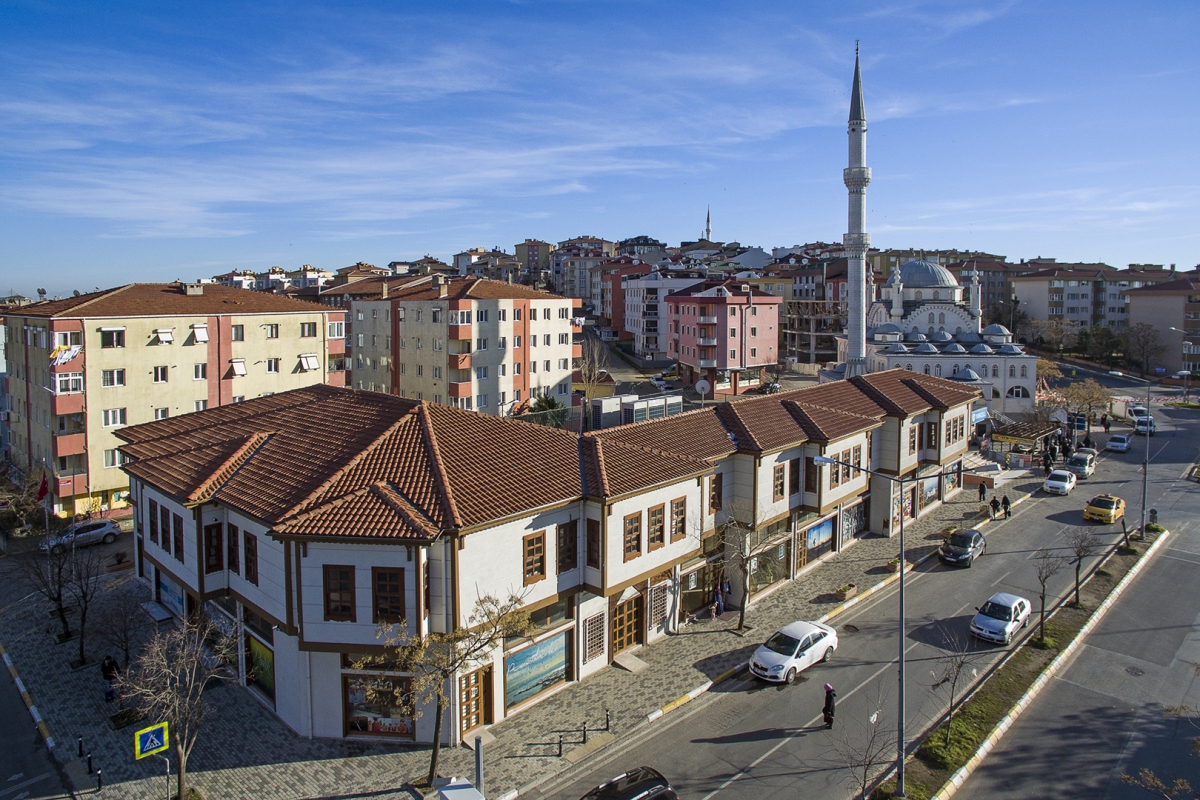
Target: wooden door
(627, 624)
(474, 699)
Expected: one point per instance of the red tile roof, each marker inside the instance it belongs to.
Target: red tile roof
(169, 299)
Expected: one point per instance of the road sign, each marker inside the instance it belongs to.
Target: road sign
(149, 741)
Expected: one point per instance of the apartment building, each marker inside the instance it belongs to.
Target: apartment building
(724, 332)
(1083, 294)
(534, 255)
(572, 262)
(645, 313)
(84, 368)
(612, 539)
(995, 280)
(1173, 309)
(612, 296)
(276, 279)
(884, 260)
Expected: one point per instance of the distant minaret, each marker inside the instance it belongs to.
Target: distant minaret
(857, 241)
(708, 225)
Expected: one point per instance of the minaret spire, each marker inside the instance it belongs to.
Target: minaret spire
(857, 241)
(708, 225)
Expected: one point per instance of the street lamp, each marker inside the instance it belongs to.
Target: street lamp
(900, 743)
(1146, 459)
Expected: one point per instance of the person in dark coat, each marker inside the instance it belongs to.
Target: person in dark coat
(830, 701)
(1007, 506)
(995, 507)
(719, 599)
(109, 670)
(1047, 468)
(982, 492)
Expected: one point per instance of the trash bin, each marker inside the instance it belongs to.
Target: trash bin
(1154, 516)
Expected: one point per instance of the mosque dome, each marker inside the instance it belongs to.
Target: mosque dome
(982, 349)
(940, 336)
(926, 348)
(888, 327)
(996, 330)
(914, 336)
(966, 375)
(923, 274)
(954, 348)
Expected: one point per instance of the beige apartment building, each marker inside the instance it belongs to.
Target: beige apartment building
(1173, 309)
(1084, 295)
(81, 369)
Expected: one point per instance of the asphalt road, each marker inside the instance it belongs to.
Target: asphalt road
(746, 739)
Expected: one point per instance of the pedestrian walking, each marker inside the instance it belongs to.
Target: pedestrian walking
(830, 702)
(1107, 424)
(995, 507)
(1104, 421)
(1046, 467)
(719, 599)
(726, 590)
(982, 492)
(1007, 506)
(109, 670)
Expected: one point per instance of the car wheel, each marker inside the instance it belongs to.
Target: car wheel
(828, 655)
(790, 678)
(1025, 624)
(1007, 639)
(109, 538)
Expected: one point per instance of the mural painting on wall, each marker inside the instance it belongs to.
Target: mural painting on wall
(535, 669)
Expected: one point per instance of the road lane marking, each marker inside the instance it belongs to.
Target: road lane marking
(1002, 577)
(29, 782)
(746, 770)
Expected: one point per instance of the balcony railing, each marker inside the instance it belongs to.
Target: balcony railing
(706, 363)
(707, 320)
(704, 341)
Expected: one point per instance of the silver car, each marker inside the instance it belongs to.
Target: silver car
(82, 534)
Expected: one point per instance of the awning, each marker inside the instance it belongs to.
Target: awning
(1024, 432)
(309, 362)
(165, 335)
(239, 367)
(200, 331)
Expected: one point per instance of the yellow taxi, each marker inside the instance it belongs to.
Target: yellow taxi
(1104, 508)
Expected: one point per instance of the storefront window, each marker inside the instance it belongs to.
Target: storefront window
(770, 566)
(378, 705)
(929, 490)
(259, 625)
(953, 477)
(260, 667)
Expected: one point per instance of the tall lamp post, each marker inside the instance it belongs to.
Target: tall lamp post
(1146, 458)
(900, 741)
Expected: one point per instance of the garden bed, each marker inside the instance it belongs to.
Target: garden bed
(933, 764)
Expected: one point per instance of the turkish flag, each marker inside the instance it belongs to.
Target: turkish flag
(43, 490)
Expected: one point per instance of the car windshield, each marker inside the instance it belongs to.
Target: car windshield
(782, 643)
(1078, 461)
(960, 540)
(996, 611)
(1104, 502)
(1059, 476)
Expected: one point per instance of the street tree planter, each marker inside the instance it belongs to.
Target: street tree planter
(893, 565)
(845, 592)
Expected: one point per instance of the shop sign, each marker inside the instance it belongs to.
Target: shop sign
(170, 595)
(535, 669)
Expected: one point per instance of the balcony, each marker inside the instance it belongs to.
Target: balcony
(67, 485)
(576, 351)
(706, 341)
(459, 331)
(66, 403)
(459, 389)
(706, 320)
(70, 444)
(707, 363)
(459, 360)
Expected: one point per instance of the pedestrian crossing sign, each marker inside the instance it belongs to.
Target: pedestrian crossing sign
(149, 741)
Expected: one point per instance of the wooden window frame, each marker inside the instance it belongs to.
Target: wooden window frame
(376, 615)
(794, 477)
(835, 475)
(250, 557)
(214, 548)
(153, 514)
(678, 519)
(330, 614)
(912, 439)
(811, 476)
(844, 457)
(567, 541)
(716, 492)
(932, 438)
(857, 459)
(778, 482)
(656, 533)
(534, 566)
(177, 536)
(164, 517)
(594, 550)
(231, 548)
(631, 533)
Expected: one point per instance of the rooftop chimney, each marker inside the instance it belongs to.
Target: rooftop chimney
(193, 289)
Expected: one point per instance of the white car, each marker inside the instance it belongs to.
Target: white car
(1059, 482)
(1082, 464)
(1137, 412)
(793, 649)
(1000, 617)
(1144, 425)
(1119, 443)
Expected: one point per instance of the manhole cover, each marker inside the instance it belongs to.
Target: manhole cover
(1136, 672)
(849, 629)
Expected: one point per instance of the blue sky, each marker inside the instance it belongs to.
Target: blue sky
(150, 141)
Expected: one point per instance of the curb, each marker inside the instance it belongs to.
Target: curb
(833, 612)
(33, 709)
(960, 777)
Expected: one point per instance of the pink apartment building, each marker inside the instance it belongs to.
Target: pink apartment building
(725, 332)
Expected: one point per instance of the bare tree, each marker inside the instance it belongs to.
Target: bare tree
(1144, 343)
(863, 747)
(1179, 787)
(592, 366)
(168, 680)
(121, 621)
(437, 660)
(18, 500)
(1084, 397)
(1083, 544)
(83, 566)
(48, 575)
(1056, 332)
(958, 660)
(1046, 564)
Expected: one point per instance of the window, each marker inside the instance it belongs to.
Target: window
(273, 331)
(199, 372)
(545, 313)
(1024, 370)
(237, 333)
(112, 338)
(715, 493)
(656, 527)
(114, 417)
(200, 333)
(778, 478)
(153, 516)
(481, 373)
(794, 476)
(733, 353)
(732, 332)
(562, 388)
(564, 363)
(160, 374)
(272, 365)
(238, 367)
(387, 594)
(835, 474)
(481, 401)
(113, 458)
(481, 344)
(533, 366)
(214, 550)
(250, 551)
(112, 377)
(810, 475)
(69, 382)
(360, 315)
(931, 440)
(593, 635)
(546, 365)
(231, 540)
(337, 330)
(502, 342)
(912, 440)
(546, 339)
(201, 405)
(177, 536)
(517, 314)
(593, 543)
(678, 519)
(164, 516)
(310, 362)
(857, 458)
(753, 352)
(339, 593)
(516, 343)
(563, 338)
(534, 546)
(633, 536)
(568, 546)
(308, 329)
(360, 340)
(533, 341)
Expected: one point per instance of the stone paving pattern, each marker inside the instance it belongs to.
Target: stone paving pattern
(245, 752)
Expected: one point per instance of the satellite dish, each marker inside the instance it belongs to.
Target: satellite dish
(703, 387)
(41, 292)
(75, 293)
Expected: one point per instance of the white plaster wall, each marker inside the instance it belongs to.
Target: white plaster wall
(269, 594)
(362, 557)
(846, 490)
(619, 570)
(291, 683)
(185, 570)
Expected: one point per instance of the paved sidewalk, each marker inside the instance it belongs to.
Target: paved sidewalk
(245, 752)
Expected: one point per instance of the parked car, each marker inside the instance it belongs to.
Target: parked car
(1119, 443)
(1082, 464)
(1144, 425)
(792, 649)
(1000, 617)
(1059, 482)
(643, 783)
(1104, 508)
(1088, 451)
(962, 548)
(82, 534)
